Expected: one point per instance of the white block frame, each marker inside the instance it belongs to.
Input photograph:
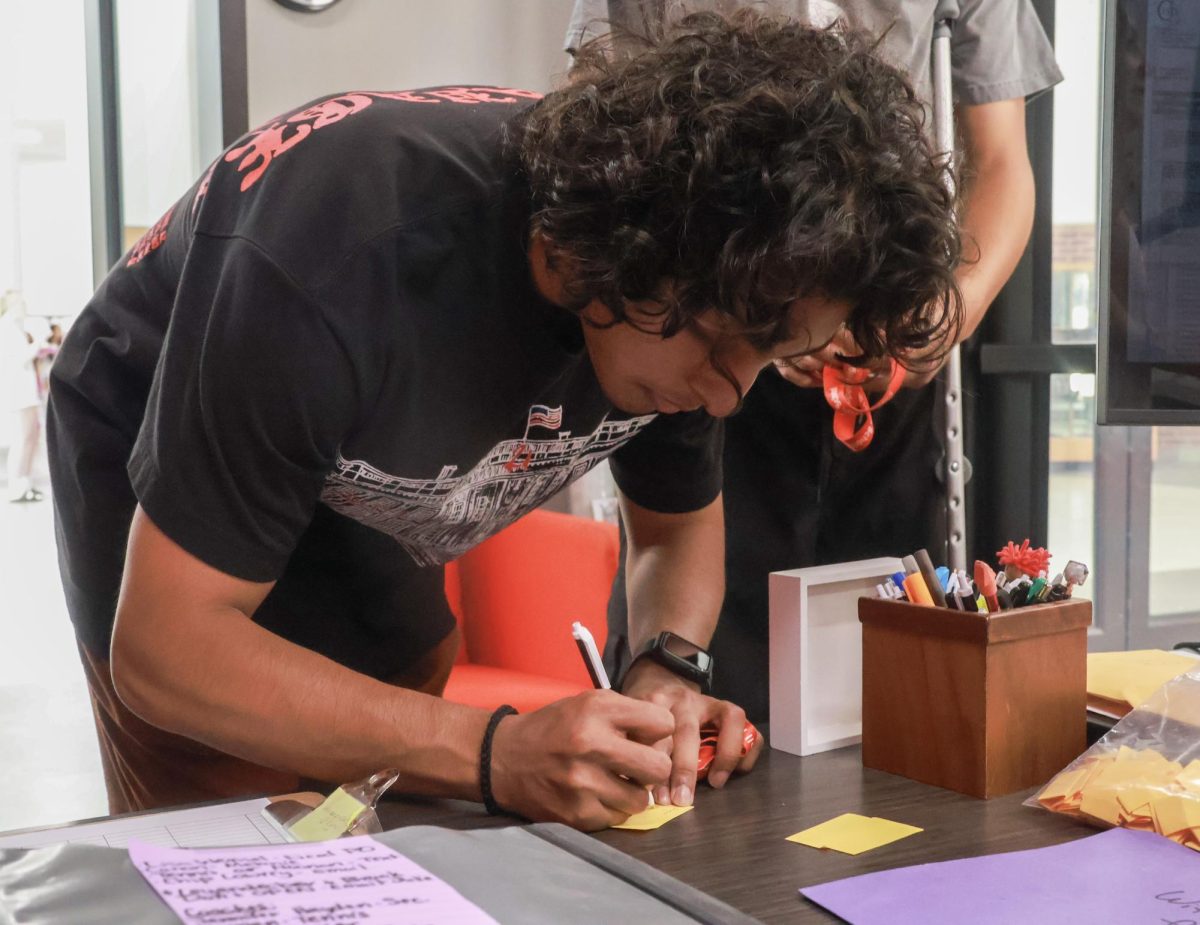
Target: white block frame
(816, 653)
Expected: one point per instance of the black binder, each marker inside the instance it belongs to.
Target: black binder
(545, 873)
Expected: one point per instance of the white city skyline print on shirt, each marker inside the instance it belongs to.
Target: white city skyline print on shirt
(438, 519)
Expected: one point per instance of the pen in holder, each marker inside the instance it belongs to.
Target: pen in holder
(349, 810)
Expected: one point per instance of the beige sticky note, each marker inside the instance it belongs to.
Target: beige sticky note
(1132, 677)
(851, 833)
(329, 820)
(652, 817)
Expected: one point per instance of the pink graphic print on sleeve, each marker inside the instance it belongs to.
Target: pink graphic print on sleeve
(151, 240)
(267, 143)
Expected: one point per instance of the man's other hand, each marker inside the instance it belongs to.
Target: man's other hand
(650, 682)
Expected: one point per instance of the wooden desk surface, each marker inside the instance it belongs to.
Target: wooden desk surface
(732, 845)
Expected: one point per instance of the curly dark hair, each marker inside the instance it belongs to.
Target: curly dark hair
(740, 163)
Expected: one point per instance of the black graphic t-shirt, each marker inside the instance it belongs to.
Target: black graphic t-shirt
(330, 346)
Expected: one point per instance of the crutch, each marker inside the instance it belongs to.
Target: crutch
(954, 475)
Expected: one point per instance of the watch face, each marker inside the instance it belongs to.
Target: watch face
(680, 647)
(687, 651)
(684, 658)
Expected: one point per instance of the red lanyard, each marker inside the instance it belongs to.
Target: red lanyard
(852, 409)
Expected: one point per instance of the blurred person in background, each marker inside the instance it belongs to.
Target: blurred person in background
(19, 396)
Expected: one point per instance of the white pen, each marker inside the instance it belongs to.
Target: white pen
(591, 656)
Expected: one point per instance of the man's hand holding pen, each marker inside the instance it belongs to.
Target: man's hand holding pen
(587, 761)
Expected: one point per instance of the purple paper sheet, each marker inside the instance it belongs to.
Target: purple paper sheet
(1119, 876)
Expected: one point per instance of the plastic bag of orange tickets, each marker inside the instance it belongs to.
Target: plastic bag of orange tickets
(1144, 773)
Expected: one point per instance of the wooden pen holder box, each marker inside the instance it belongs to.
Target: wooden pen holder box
(985, 704)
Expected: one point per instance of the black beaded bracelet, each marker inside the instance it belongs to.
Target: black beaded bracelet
(485, 759)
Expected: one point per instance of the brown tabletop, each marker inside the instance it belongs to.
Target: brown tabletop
(732, 845)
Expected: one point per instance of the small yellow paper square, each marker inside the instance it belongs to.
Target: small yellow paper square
(329, 820)
(1101, 803)
(652, 817)
(1134, 799)
(851, 833)
(1176, 814)
(1065, 786)
(1189, 777)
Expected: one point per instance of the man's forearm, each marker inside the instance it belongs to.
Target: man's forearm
(226, 682)
(187, 658)
(675, 572)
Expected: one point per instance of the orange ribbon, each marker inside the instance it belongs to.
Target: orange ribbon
(844, 391)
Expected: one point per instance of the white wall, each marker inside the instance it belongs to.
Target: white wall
(399, 44)
(45, 203)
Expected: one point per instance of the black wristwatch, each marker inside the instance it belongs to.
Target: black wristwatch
(676, 654)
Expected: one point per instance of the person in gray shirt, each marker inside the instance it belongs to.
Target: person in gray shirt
(794, 496)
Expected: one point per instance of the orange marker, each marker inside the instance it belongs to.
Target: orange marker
(917, 590)
(985, 581)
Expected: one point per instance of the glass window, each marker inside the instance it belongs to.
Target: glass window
(1076, 139)
(1071, 505)
(1071, 509)
(1174, 514)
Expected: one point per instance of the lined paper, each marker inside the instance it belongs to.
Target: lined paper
(344, 880)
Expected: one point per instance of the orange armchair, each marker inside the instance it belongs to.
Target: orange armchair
(515, 596)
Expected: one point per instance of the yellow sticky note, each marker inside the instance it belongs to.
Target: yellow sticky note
(652, 817)
(329, 820)
(851, 833)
